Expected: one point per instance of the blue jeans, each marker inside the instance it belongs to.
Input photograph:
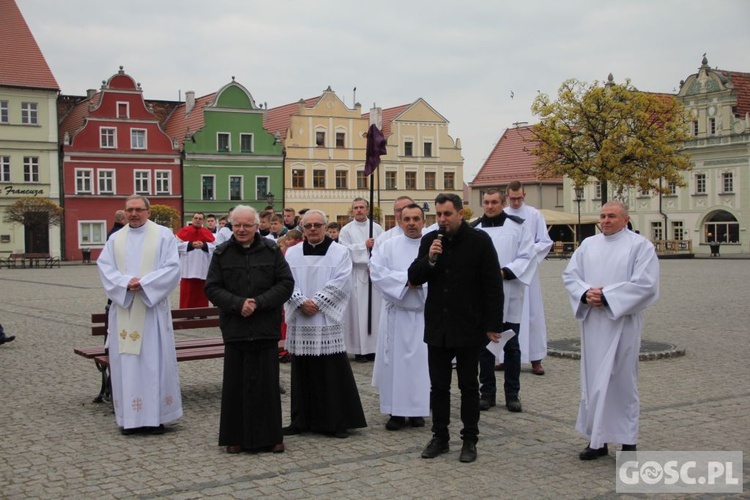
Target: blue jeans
(512, 367)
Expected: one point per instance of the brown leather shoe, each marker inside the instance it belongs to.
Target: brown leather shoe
(277, 448)
(499, 367)
(233, 449)
(537, 368)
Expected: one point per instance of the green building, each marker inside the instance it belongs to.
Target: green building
(228, 158)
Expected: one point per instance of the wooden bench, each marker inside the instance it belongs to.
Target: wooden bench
(186, 349)
(34, 260)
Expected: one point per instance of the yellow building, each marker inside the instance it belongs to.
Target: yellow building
(324, 155)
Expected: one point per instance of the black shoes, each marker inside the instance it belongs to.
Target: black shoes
(144, 430)
(416, 421)
(468, 452)
(436, 447)
(395, 423)
(7, 338)
(593, 453)
(291, 430)
(628, 447)
(513, 404)
(486, 401)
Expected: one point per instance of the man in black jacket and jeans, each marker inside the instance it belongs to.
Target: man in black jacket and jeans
(249, 280)
(464, 309)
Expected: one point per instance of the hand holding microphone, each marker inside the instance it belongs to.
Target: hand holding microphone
(437, 247)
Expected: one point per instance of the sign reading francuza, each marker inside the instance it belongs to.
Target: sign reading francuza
(12, 191)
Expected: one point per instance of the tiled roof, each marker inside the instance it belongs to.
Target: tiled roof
(741, 82)
(278, 119)
(179, 124)
(76, 117)
(389, 114)
(22, 63)
(510, 160)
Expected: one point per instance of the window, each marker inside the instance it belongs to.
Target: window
(31, 169)
(261, 187)
(700, 183)
(340, 139)
(390, 221)
(341, 179)
(695, 128)
(678, 230)
(319, 179)
(137, 138)
(727, 182)
(429, 180)
(362, 180)
(428, 149)
(207, 187)
(408, 148)
(3, 111)
(597, 190)
(246, 143)
(91, 233)
(4, 168)
(298, 178)
(712, 126)
(83, 180)
(29, 113)
(123, 110)
(106, 181)
(108, 137)
(656, 233)
(320, 138)
(559, 197)
(235, 187)
(672, 187)
(449, 180)
(222, 142)
(410, 180)
(142, 181)
(722, 227)
(390, 180)
(163, 179)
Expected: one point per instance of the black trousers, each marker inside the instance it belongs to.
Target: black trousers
(512, 370)
(441, 371)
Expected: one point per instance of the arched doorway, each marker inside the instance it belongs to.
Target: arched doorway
(722, 227)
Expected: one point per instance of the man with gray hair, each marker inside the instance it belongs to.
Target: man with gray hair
(139, 267)
(325, 398)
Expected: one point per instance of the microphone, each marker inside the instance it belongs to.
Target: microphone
(440, 236)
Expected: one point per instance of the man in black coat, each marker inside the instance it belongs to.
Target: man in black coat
(249, 280)
(464, 310)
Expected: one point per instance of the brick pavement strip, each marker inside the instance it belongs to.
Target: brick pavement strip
(56, 443)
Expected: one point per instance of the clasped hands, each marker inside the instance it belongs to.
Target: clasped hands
(594, 296)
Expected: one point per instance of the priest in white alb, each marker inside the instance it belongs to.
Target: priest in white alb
(139, 268)
(361, 335)
(611, 279)
(401, 372)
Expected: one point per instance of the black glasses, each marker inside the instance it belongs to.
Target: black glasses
(316, 225)
(136, 210)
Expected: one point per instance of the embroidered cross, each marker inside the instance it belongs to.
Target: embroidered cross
(123, 334)
(137, 404)
(135, 336)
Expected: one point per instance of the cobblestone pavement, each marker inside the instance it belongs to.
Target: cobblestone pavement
(56, 443)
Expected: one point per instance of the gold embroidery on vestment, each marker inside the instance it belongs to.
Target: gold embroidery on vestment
(135, 336)
(123, 334)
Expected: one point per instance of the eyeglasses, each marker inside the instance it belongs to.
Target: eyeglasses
(316, 225)
(136, 210)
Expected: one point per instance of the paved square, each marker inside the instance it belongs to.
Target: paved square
(56, 443)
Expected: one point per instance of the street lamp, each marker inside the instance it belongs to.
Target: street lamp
(269, 198)
(579, 199)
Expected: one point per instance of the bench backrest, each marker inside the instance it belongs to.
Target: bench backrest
(182, 319)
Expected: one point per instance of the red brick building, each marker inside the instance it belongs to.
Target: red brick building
(113, 146)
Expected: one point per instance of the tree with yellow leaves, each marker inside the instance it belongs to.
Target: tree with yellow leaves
(613, 133)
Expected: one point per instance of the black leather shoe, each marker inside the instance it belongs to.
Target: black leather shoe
(7, 338)
(131, 431)
(593, 453)
(156, 430)
(416, 421)
(486, 401)
(628, 447)
(514, 405)
(468, 452)
(291, 430)
(395, 423)
(436, 447)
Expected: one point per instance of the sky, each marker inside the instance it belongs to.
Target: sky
(480, 64)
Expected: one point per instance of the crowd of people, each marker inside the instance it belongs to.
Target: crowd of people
(419, 302)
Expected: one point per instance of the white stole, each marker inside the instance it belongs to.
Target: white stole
(130, 322)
